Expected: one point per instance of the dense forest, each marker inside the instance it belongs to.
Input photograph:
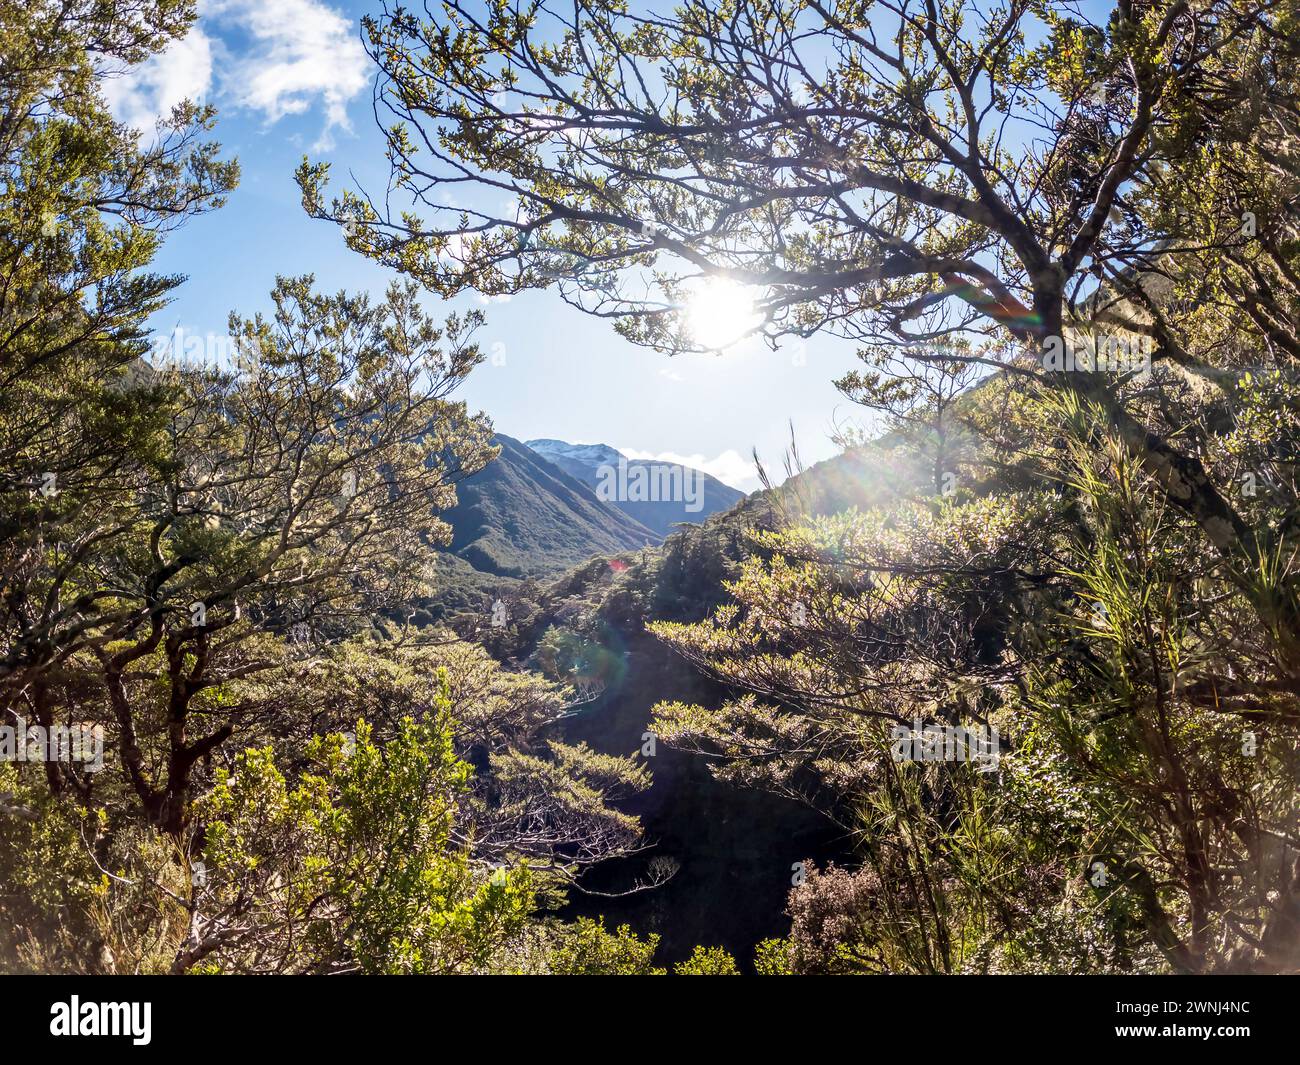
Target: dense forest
(303, 670)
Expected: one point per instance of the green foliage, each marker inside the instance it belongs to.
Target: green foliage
(771, 958)
(83, 891)
(1080, 620)
(86, 207)
(293, 496)
(352, 869)
(586, 948)
(707, 961)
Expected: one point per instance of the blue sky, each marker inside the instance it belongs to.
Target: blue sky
(289, 78)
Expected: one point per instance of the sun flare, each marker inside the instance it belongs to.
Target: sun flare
(721, 312)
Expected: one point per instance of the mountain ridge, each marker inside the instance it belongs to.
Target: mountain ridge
(524, 516)
(657, 495)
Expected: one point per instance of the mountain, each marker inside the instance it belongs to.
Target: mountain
(523, 516)
(657, 495)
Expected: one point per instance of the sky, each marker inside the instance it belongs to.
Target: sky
(289, 78)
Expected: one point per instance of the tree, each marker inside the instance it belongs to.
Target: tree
(292, 848)
(354, 869)
(293, 496)
(532, 798)
(921, 399)
(1137, 810)
(86, 205)
(861, 165)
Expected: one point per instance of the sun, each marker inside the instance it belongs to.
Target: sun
(720, 312)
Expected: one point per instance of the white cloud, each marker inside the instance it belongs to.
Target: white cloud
(182, 72)
(730, 467)
(299, 53)
(273, 57)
